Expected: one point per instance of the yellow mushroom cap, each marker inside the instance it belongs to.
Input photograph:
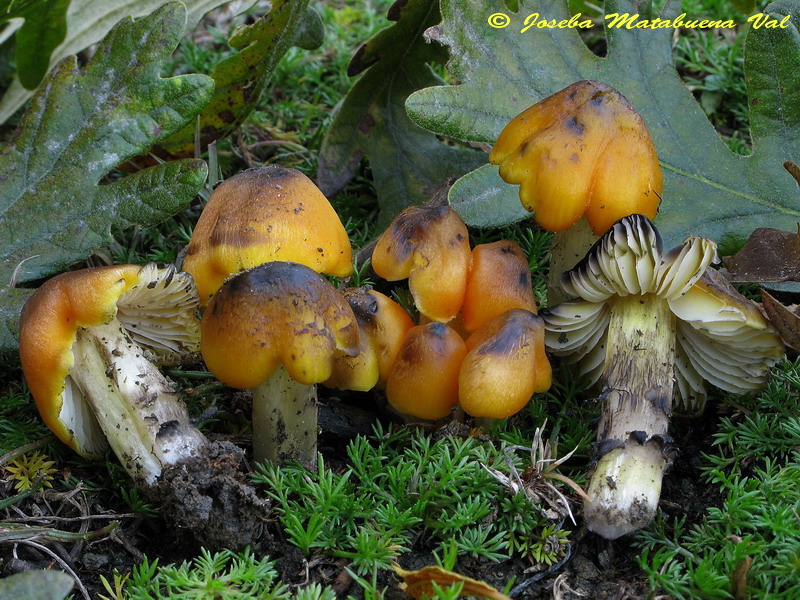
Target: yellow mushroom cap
(582, 150)
(276, 313)
(383, 325)
(506, 364)
(261, 215)
(423, 380)
(499, 280)
(157, 307)
(429, 246)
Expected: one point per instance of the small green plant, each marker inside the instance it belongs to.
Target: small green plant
(26, 468)
(403, 486)
(749, 546)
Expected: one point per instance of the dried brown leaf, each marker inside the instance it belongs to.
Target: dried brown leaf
(420, 583)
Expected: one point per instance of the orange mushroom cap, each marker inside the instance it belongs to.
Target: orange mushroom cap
(500, 279)
(276, 313)
(506, 364)
(51, 318)
(429, 246)
(383, 325)
(261, 215)
(423, 380)
(582, 150)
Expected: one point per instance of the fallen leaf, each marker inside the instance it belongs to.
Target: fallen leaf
(420, 583)
(768, 255)
(408, 163)
(240, 78)
(88, 21)
(785, 319)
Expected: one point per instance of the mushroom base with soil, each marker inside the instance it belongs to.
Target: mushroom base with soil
(201, 486)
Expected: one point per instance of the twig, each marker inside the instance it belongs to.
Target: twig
(63, 565)
(9, 456)
(72, 519)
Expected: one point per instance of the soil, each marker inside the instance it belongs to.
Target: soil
(593, 568)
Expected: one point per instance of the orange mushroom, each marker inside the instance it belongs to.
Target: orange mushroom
(423, 380)
(429, 246)
(383, 325)
(500, 279)
(276, 328)
(506, 364)
(583, 150)
(88, 343)
(262, 215)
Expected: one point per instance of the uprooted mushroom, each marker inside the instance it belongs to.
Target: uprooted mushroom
(90, 341)
(642, 320)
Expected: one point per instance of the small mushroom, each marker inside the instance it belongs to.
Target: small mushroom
(423, 380)
(499, 280)
(504, 366)
(261, 215)
(643, 319)
(584, 151)
(429, 246)
(277, 328)
(382, 325)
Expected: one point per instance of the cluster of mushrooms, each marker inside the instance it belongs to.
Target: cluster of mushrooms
(648, 326)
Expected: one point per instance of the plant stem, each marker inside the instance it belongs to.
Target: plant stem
(640, 358)
(285, 420)
(136, 406)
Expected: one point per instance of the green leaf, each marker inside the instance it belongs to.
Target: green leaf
(36, 585)
(240, 78)
(408, 163)
(88, 21)
(44, 29)
(708, 190)
(55, 206)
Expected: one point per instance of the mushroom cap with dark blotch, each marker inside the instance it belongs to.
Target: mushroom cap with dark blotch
(382, 325)
(265, 214)
(505, 365)
(583, 150)
(423, 380)
(499, 280)
(721, 337)
(157, 307)
(276, 313)
(429, 246)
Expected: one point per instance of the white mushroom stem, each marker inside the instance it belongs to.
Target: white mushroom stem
(285, 420)
(637, 401)
(137, 407)
(568, 248)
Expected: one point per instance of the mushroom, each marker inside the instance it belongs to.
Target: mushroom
(261, 215)
(643, 319)
(429, 246)
(276, 328)
(423, 379)
(382, 325)
(88, 340)
(582, 151)
(499, 280)
(504, 366)
(88, 343)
